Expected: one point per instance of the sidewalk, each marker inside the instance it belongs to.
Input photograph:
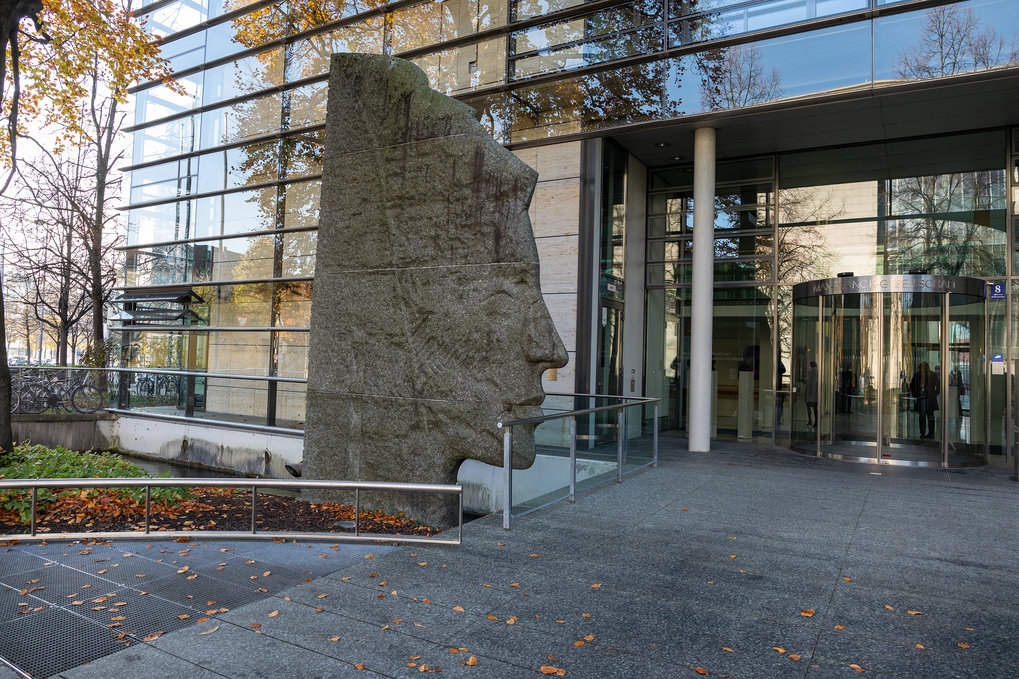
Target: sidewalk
(708, 561)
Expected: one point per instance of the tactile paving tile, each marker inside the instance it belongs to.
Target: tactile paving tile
(54, 640)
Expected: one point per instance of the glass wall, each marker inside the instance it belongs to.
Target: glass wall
(937, 205)
(227, 159)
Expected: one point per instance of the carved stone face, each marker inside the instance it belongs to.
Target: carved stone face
(428, 324)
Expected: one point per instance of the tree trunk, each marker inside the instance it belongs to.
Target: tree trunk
(6, 434)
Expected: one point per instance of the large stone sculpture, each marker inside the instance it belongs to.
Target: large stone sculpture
(428, 325)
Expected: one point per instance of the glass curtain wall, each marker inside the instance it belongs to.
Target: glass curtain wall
(937, 205)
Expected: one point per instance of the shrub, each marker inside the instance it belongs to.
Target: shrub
(29, 461)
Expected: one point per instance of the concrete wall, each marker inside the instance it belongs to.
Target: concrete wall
(222, 448)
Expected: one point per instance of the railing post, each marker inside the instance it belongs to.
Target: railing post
(507, 473)
(254, 500)
(357, 512)
(654, 438)
(573, 458)
(619, 445)
(34, 491)
(148, 497)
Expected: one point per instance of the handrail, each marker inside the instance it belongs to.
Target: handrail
(507, 445)
(254, 484)
(570, 413)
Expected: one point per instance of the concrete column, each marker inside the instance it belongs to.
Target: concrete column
(701, 397)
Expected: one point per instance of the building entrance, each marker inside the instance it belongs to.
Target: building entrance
(890, 369)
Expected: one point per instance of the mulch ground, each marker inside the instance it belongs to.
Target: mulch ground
(207, 509)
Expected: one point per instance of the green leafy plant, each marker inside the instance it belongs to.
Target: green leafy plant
(32, 461)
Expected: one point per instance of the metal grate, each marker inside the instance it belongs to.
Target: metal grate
(55, 584)
(16, 561)
(196, 594)
(53, 641)
(137, 614)
(252, 576)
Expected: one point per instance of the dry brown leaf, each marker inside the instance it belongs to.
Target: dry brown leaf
(848, 579)
(596, 585)
(192, 576)
(920, 646)
(152, 636)
(266, 574)
(889, 607)
(578, 643)
(589, 637)
(700, 670)
(459, 609)
(422, 563)
(256, 625)
(807, 613)
(185, 569)
(840, 626)
(726, 648)
(208, 631)
(472, 661)
(962, 644)
(732, 556)
(548, 669)
(117, 617)
(183, 616)
(561, 621)
(201, 620)
(512, 620)
(915, 612)
(585, 615)
(794, 656)
(778, 649)
(514, 584)
(684, 509)
(491, 617)
(532, 555)
(359, 666)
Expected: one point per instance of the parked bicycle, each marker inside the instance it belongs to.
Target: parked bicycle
(72, 393)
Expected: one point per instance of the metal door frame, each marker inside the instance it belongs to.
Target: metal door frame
(945, 287)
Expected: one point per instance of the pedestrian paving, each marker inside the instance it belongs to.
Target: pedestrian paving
(747, 562)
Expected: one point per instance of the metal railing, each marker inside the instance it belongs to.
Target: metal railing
(622, 436)
(34, 485)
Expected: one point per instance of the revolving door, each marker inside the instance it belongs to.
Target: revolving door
(890, 369)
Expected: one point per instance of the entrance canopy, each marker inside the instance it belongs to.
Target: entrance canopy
(891, 369)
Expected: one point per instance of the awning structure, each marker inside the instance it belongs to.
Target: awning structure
(149, 307)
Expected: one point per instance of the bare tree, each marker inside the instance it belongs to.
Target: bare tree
(734, 77)
(55, 246)
(952, 41)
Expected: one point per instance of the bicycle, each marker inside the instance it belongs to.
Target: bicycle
(53, 393)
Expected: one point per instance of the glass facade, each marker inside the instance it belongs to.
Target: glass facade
(934, 205)
(227, 160)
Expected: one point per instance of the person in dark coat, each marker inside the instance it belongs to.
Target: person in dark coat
(925, 388)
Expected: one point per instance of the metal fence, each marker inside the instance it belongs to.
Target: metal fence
(610, 425)
(33, 486)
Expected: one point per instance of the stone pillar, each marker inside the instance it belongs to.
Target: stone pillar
(703, 286)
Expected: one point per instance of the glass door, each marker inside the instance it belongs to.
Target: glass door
(913, 416)
(853, 360)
